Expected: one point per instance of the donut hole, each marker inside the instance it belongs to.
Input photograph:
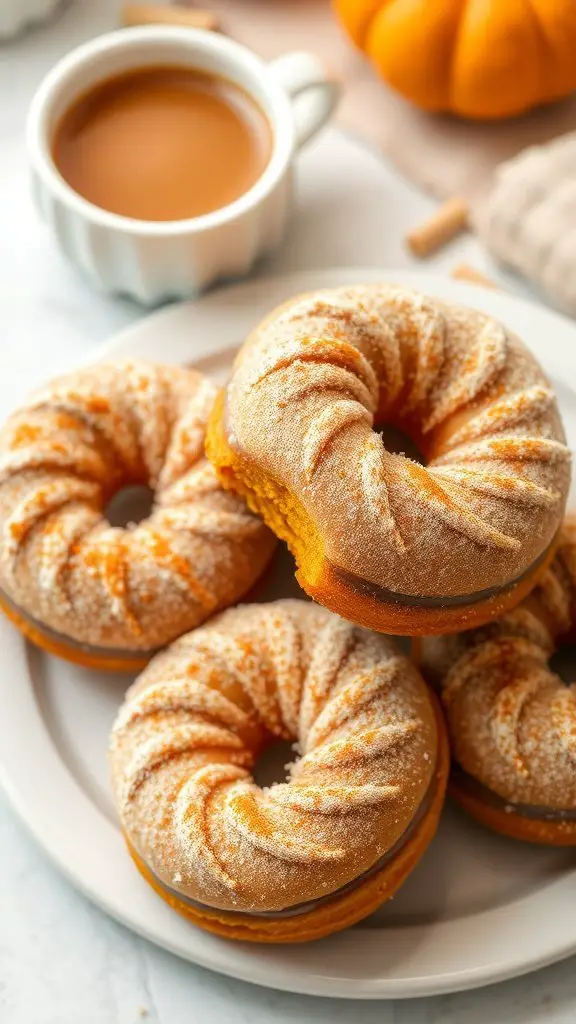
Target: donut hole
(271, 765)
(130, 505)
(563, 662)
(395, 440)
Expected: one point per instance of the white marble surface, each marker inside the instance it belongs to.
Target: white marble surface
(61, 960)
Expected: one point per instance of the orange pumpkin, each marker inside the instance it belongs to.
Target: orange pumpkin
(477, 58)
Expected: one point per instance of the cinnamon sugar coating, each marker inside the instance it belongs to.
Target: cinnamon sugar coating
(192, 726)
(511, 719)
(65, 453)
(323, 372)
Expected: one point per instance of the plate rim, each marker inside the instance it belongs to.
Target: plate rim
(247, 963)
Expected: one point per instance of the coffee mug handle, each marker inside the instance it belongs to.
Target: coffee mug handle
(313, 95)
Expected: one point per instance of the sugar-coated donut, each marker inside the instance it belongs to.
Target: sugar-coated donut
(512, 720)
(98, 594)
(377, 537)
(300, 859)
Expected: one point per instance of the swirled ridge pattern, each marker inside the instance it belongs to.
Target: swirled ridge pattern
(64, 455)
(323, 372)
(512, 720)
(187, 737)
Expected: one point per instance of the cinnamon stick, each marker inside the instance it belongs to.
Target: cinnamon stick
(169, 14)
(464, 272)
(442, 227)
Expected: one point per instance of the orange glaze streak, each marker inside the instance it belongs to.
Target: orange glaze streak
(24, 435)
(95, 403)
(111, 566)
(522, 449)
(18, 531)
(248, 813)
(425, 484)
(161, 551)
(65, 421)
(41, 504)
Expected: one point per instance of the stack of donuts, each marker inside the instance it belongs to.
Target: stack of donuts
(466, 548)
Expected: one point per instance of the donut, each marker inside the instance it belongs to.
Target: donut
(361, 801)
(102, 595)
(378, 538)
(511, 719)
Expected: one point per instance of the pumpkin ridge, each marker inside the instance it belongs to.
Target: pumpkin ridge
(456, 42)
(364, 33)
(546, 56)
(440, 20)
(558, 25)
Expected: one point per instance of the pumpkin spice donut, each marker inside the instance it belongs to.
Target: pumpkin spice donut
(300, 859)
(100, 595)
(377, 537)
(512, 721)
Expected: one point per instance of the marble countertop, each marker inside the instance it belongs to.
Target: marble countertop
(62, 961)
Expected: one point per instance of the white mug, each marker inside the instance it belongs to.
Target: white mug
(153, 261)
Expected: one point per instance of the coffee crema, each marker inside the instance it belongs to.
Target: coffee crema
(162, 143)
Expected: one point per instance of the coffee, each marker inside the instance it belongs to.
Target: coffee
(162, 143)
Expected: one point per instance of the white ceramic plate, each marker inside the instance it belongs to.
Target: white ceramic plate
(477, 910)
